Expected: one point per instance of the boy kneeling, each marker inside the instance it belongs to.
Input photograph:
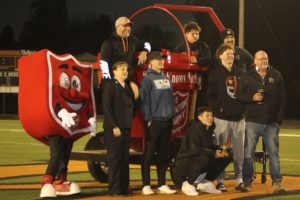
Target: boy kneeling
(198, 152)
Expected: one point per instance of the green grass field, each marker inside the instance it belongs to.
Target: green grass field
(17, 147)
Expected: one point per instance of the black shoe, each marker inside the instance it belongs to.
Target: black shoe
(221, 187)
(246, 186)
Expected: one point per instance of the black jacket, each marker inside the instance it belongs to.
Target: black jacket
(202, 50)
(112, 51)
(273, 107)
(221, 93)
(197, 141)
(118, 105)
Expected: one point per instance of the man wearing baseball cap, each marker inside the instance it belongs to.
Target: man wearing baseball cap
(122, 46)
(157, 103)
(242, 58)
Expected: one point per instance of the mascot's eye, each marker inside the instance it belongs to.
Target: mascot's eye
(64, 81)
(76, 83)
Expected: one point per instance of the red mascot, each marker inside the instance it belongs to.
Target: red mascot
(56, 107)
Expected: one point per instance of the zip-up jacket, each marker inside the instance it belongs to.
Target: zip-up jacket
(221, 93)
(156, 92)
(272, 108)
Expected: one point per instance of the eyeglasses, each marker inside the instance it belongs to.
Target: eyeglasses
(261, 58)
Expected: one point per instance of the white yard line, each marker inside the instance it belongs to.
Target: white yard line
(289, 135)
(12, 130)
(22, 143)
(289, 160)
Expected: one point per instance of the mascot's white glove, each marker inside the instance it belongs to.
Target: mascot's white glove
(93, 126)
(67, 118)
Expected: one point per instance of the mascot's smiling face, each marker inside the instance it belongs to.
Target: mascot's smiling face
(49, 83)
(70, 87)
(73, 93)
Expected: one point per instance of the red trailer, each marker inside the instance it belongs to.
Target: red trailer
(184, 77)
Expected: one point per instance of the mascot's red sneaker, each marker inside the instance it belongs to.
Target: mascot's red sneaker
(66, 188)
(47, 187)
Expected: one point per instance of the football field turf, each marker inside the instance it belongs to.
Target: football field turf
(17, 148)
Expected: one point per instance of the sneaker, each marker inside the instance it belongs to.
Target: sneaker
(147, 190)
(246, 186)
(239, 186)
(47, 191)
(221, 187)
(208, 187)
(66, 188)
(188, 189)
(164, 189)
(277, 187)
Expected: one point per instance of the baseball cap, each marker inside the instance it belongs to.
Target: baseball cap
(121, 21)
(226, 32)
(154, 55)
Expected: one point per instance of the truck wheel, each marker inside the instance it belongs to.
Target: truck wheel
(98, 169)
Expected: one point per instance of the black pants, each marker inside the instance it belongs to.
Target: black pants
(118, 161)
(60, 150)
(201, 94)
(157, 139)
(190, 168)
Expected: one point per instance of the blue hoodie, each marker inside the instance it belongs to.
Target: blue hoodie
(156, 92)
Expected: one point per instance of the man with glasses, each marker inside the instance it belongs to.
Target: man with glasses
(263, 91)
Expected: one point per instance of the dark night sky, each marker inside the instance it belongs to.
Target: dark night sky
(15, 12)
(271, 25)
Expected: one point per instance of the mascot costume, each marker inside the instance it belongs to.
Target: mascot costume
(56, 107)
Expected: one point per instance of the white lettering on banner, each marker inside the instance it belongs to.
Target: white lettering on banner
(181, 110)
(182, 78)
(178, 78)
(192, 77)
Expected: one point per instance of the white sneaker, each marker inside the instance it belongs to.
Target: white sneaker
(147, 190)
(208, 187)
(188, 189)
(164, 189)
(48, 191)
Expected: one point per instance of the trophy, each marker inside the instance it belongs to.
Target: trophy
(225, 148)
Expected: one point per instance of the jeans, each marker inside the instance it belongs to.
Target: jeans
(271, 141)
